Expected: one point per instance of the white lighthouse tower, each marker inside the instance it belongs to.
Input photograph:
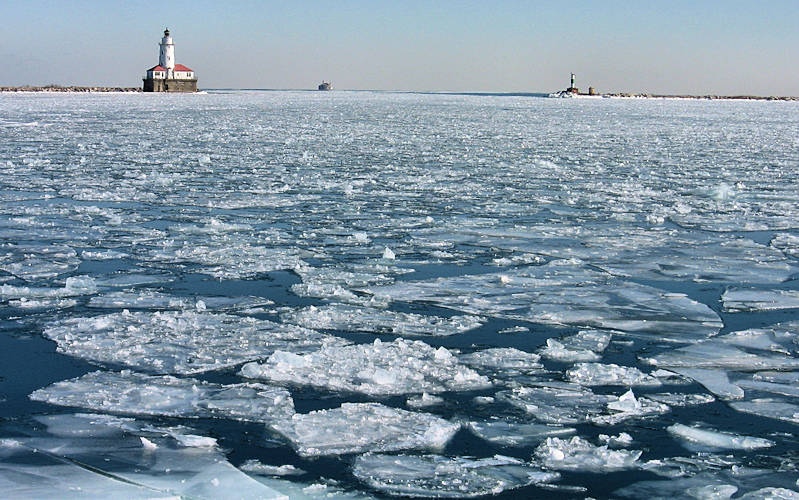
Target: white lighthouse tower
(169, 76)
(166, 56)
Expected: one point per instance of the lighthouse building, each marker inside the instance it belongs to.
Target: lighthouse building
(168, 76)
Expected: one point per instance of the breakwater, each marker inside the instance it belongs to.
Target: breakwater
(59, 88)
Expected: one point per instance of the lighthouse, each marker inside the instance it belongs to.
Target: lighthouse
(168, 76)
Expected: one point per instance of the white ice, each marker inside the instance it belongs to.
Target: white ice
(714, 439)
(508, 433)
(506, 361)
(436, 476)
(153, 299)
(374, 320)
(379, 368)
(136, 394)
(364, 427)
(591, 374)
(753, 299)
(585, 345)
(578, 454)
(183, 342)
(565, 293)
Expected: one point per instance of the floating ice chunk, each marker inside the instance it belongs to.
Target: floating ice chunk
(506, 433)
(103, 254)
(716, 484)
(559, 352)
(772, 348)
(717, 439)
(772, 494)
(151, 299)
(370, 319)
(505, 359)
(179, 342)
(255, 467)
(790, 389)
(75, 286)
(379, 368)
(389, 254)
(113, 461)
(136, 394)
(444, 477)
(672, 399)
(34, 262)
(43, 304)
(565, 294)
(738, 299)
(622, 439)
(787, 243)
(363, 427)
(424, 401)
(229, 260)
(628, 406)
(591, 374)
(579, 455)
(583, 346)
(769, 407)
(715, 381)
(557, 405)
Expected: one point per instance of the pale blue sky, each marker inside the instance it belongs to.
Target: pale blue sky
(710, 46)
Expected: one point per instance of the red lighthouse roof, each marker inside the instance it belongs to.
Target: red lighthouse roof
(180, 67)
(157, 68)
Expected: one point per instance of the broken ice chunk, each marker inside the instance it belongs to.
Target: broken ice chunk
(424, 400)
(379, 368)
(585, 345)
(557, 405)
(769, 407)
(151, 299)
(716, 439)
(628, 406)
(506, 433)
(255, 467)
(715, 381)
(184, 342)
(364, 427)
(136, 394)
(579, 455)
(591, 374)
(374, 320)
(444, 477)
(504, 359)
(738, 299)
(35, 262)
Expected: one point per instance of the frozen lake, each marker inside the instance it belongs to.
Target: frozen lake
(258, 294)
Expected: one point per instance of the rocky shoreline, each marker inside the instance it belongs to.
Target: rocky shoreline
(59, 88)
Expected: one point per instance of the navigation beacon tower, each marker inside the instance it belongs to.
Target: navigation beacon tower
(168, 76)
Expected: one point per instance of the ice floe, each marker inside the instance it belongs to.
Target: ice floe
(136, 394)
(752, 299)
(182, 342)
(152, 299)
(36, 262)
(565, 293)
(557, 405)
(591, 374)
(509, 433)
(585, 345)
(364, 427)
(503, 360)
(374, 320)
(717, 440)
(379, 368)
(579, 454)
(436, 476)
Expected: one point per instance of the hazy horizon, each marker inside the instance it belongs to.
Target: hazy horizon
(705, 47)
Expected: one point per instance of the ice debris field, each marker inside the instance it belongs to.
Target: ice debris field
(294, 295)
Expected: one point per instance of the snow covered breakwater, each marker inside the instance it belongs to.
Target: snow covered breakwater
(291, 295)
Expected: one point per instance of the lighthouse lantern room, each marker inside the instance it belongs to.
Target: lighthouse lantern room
(168, 76)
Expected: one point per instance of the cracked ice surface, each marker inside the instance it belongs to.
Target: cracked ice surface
(379, 368)
(370, 319)
(516, 434)
(136, 394)
(609, 374)
(183, 342)
(566, 293)
(151, 299)
(364, 427)
(586, 345)
(714, 439)
(437, 476)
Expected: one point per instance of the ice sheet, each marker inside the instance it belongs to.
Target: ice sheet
(713, 439)
(436, 476)
(155, 300)
(182, 342)
(516, 434)
(586, 345)
(364, 427)
(132, 393)
(591, 374)
(379, 368)
(751, 299)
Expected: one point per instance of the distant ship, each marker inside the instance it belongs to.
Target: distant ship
(325, 86)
